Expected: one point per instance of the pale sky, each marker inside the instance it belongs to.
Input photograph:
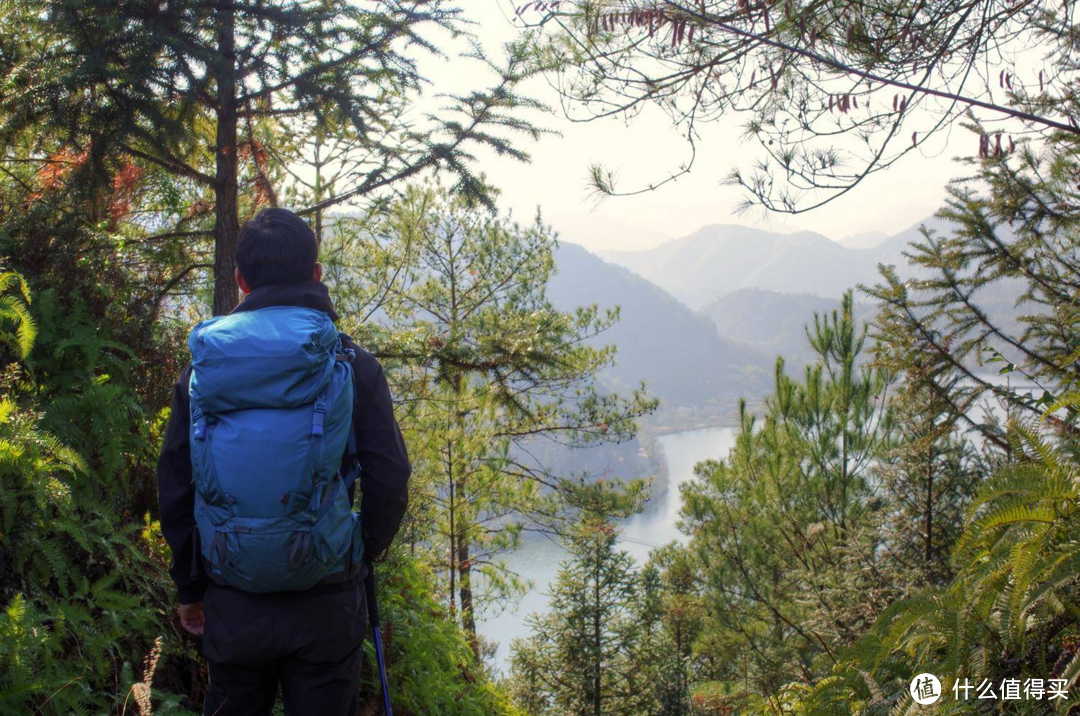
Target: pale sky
(557, 178)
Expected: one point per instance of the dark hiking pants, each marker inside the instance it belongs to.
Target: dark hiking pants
(308, 643)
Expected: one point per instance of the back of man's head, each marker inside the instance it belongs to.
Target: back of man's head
(276, 247)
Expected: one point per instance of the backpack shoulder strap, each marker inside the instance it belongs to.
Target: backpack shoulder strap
(349, 355)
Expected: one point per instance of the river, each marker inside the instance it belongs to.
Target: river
(538, 560)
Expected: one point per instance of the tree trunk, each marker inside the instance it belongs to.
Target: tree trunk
(929, 547)
(226, 220)
(468, 618)
(598, 701)
(453, 530)
(318, 193)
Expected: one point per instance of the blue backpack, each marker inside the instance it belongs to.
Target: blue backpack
(271, 420)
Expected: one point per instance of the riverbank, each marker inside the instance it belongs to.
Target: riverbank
(672, 421)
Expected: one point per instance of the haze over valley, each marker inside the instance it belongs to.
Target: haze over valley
(704, 317)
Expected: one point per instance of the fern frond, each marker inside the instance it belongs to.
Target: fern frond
(11, 278)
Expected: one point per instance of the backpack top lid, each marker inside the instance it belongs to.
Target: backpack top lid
(277, 357)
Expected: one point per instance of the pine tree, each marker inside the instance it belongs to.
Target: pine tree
(192, 88)
(928, 475)
(671, 614)
(996, 287)
(834, 90)
(783, 531)
(580, 658)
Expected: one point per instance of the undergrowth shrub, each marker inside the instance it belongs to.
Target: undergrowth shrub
(431, 668)
(83, 595)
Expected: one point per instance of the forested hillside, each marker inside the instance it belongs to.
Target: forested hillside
(774, 323)
(677, 352)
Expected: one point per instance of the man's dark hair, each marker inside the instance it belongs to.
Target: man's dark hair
(277, 246)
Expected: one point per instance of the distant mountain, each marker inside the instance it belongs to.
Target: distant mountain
(865, 240)
(722, 258)
(774, 323)
(676, 351)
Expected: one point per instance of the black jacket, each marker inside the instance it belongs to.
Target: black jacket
(384, 462)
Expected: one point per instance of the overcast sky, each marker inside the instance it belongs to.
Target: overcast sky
(557, 178)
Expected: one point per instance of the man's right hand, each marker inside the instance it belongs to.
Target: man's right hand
(192, 618)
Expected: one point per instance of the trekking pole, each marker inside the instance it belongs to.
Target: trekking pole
(373, 614)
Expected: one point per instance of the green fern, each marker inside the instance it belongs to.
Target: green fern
(15, 308)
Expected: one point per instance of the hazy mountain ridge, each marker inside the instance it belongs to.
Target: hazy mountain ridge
(723, 258)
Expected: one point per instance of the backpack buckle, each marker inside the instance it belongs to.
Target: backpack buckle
(199, 424)
(318, 416)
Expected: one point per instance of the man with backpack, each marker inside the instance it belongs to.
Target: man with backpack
(274, 423)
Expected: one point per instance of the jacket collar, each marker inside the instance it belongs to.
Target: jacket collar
(307, 294)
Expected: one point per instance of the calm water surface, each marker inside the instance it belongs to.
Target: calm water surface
(538, 560)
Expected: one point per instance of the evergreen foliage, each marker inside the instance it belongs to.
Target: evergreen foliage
(832, 91)
(432, 668)
(134, 138)
(953, 552)
(893, 509)
(1009, 609)
(83, 582)
(15, 309)
(208, 95)
(582, 657)
(782, 531)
